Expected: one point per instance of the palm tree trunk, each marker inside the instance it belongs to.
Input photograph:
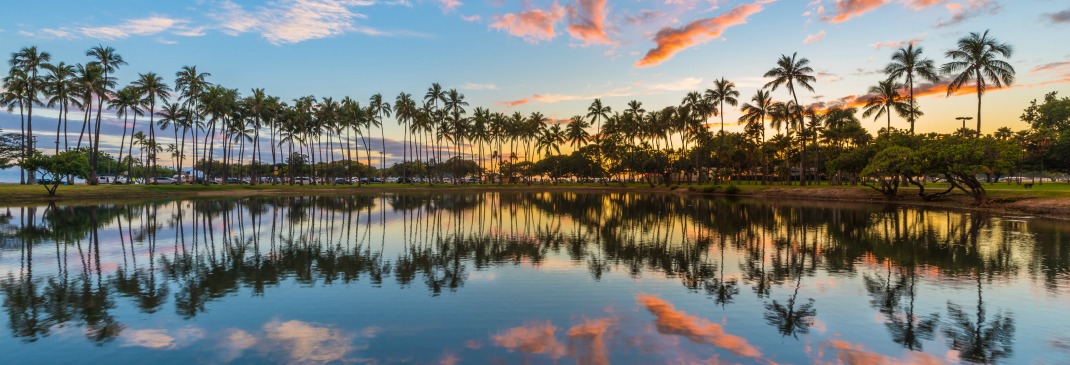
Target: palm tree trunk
(130, 151)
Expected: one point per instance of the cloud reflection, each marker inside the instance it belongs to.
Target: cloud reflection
(670, 321)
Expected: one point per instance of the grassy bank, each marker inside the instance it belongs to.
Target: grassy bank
(1051, 199)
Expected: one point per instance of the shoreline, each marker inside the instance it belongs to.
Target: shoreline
(1045, 204)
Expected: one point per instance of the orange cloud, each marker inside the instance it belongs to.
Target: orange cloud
(895, 44)
(532, 338)
(512, 103)
(672, 40)
(592, 332)
(587, 21)
(673, 322)
(853, 354)
(920, 4)
(847, 9)
(532, 25)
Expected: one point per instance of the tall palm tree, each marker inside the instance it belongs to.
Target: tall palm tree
(109, 61)
(755, 114)
(883, 99)
(60, 86)
(723, 92)
(455, 107)
(257, 106)
(906, 64)
(598, 112)
(173, 116)
(380, 109)
(791, 72)
(190, 84)
(152, 87)
(405, 111)
(976, 59)
(128, 101)
(30, 62)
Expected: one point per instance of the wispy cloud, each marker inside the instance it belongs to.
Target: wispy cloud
(672, 40)
(895, 44)
(847, 9)
(587, 21)
(475, 86)
(533, 25)
(449, 5)
(814, 38)
(643, 16)
(1059, 17)
(471, 18)
(1052, 66)
(513, 103)
(135, 27)
(972, 8)
(293, 21)
(671, 321)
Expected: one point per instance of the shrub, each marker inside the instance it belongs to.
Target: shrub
(731, 190)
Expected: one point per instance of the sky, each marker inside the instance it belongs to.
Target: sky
(549, 56)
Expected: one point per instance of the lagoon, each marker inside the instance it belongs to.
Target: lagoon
(529, 277)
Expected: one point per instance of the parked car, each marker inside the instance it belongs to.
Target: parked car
(342, 181)
(302, 181)
(162, 180)
(375, 180)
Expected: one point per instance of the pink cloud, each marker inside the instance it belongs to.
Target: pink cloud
(512, 103)
(920, 4)
(854, 354)
(532, 338)
(672, 40)
(471, 18)
(670, 321)
(532, 25)
(895, 44)
(847, 9)
(449, 5)
(814, 38)
(587, 21)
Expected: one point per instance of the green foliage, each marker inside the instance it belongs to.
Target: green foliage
(10, 149)
(1054, 113)
(58, 168)
(731, 190)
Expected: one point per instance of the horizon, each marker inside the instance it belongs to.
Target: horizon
(551, 57)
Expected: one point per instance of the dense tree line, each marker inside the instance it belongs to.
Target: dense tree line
(228, 134)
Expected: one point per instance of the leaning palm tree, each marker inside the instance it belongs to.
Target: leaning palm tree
(153, 88)
(906, 64)
(109, 61)
(977, 60)
(883, 99)
(405, 111)
(791, 72)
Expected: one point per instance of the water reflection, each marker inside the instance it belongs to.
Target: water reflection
(87, 267)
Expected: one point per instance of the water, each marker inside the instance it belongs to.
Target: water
(539, 278)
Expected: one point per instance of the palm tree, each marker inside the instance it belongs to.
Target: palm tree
(30, 61)
(257, 106)
(405, 111)
(906, 63)
(127, 101)
(723, 91)
(60, 86)
(153, 88)
(788, 72)
(172, 115)
(576, 132)
(598, 112)
(754, 114)
(454, 105)
(977, 59)
(379, 109)
(109, 61)
(883, 99)
(190, 84)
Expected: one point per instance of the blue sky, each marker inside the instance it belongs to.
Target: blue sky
(549, 56)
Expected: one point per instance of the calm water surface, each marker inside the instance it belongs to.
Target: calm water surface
(540, 278)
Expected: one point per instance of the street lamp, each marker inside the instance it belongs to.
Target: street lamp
(964, 119)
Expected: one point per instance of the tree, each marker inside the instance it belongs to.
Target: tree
(190, 84)
(906, 64)
(723, 91)
(108, 61)
(126, 102)
(788, 72)
(61, 87)
(30, 61)
(153, 88)
(58, 167)
(883, 99)
(976, 59)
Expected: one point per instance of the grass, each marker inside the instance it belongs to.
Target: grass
(10, 193)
